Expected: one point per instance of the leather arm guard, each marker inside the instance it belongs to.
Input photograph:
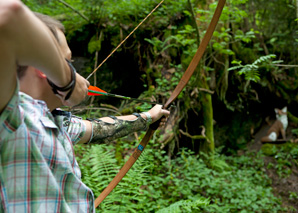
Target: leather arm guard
(104, 132)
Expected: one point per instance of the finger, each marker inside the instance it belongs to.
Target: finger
(162, 124)
(165, 112)
(88, 83)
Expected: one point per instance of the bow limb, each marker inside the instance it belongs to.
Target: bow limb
(182, 83)
(197, 57)
(132, 159)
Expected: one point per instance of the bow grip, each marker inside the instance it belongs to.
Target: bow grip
(155, 125)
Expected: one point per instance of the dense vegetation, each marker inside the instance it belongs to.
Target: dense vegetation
(158, 183)
(250, 67)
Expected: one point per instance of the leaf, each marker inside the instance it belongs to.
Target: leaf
(94, 45)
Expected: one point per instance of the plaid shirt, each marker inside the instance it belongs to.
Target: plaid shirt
(38, 170)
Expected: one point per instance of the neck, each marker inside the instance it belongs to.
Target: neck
(52, 102)
(39, 89)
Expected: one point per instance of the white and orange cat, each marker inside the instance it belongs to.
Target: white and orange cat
(278, 127)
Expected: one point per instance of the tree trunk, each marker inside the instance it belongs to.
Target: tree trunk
(207, 109)
(207, 146)
(297, 9)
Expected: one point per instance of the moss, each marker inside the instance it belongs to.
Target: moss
(272, 149)
(269, 149)
(127, 111)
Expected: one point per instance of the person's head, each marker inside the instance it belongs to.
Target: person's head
(51, 23)
(58, 30)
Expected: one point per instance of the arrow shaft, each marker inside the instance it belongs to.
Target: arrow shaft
(121, 96)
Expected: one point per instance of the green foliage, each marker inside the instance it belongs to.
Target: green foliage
(293, 196)
(246, 40)
(295, 131)
(293, 119)
(251, 71)
(98, 166)
(94, 45)
(245, 36)
(185, 206)
(269, 149)
(182, 184)
(285, 155)
(223, 37)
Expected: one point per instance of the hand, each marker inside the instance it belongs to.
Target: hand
(79, 93)
(157, 112)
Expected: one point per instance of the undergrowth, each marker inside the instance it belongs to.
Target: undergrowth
(185, 183)
(285, 157)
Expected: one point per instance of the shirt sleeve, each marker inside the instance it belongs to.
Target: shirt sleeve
(76, 129)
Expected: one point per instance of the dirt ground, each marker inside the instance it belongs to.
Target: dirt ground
(281, 186)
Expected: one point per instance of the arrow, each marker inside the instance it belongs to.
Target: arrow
(95, 91)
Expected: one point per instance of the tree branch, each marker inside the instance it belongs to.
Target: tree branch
(193, 136)
(206, 90)
(285, 65)
(78, 12)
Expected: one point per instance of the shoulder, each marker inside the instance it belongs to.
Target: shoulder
(20, 109)
(32, 105)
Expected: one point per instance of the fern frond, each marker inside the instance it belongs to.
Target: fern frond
(235, 68)
(102, 165)
(251, 71)
(263, 59)
(185, 206)
(129, 190)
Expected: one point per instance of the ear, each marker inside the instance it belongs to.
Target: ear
(40, 74)
(284, 109)
(276, 111)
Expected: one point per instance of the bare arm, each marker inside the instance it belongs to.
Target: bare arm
(25, 40)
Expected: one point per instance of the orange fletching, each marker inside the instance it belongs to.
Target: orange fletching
(95, 89)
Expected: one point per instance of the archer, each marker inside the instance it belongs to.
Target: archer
(38, 166)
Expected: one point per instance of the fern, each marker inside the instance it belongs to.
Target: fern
(185, 206)
(103, 165)
(128, 194)
(97, 165)
(251, 71)
(183, 184)
(264, 59)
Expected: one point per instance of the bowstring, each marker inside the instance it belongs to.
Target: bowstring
(124, 40)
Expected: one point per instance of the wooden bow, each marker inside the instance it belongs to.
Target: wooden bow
(182, 83)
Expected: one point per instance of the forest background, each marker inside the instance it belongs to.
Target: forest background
(207, 158)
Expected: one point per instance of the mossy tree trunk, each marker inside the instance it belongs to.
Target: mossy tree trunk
(205, 99)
